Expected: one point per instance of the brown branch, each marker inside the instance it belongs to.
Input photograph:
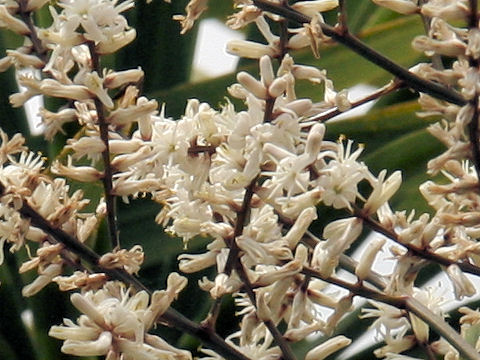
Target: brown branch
(210, 320)
(242, 217)
(387, 89)
(26, 16)
(110, 199)
(417, 251)
(413, 81)
(199, 149)
(234, 263)
(342, 17)
(473, 135)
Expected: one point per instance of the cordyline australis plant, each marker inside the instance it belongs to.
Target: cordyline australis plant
(275, 204)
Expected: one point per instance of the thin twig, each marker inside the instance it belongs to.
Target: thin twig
(473, 18)
(413, 81)
(26, 16)
(473, 135)
(234, 263)
(110, 199)
(233, 260)
(287, 353)
(349, 264)
(436, 58)
(199, 149)
(421, 253)
(409, 304)
(385, 90)
(242, 216)
(342, 17)
(210, 320)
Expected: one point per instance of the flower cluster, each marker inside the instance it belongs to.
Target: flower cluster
(116, 322)
(248, 179)
(25, 187)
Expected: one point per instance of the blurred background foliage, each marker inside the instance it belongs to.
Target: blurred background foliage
(394, 138)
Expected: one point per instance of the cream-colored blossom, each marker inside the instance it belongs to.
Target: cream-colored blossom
(129, 260)
(116, 322)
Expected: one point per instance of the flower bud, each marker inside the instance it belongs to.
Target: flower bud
(266, 70)
(25, 60)
(327, 348)
(84, 305)
(95, 85)
(405, 7)
(10, 22)
(79, 173)
(116, 42)
(89, 348)
(368, 257)
(451, 47)
(278, 87)
(119, 78)
(46, 276)
(301, 225)
(252, 85)
(54, 88)
(461, 284)
(249, 49)
(420, 328)
(473, 47)
(263, 310)
(311, 8)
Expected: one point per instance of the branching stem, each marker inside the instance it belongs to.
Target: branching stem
(234, 263)
(385, 90)
(26, 16)
(411, 80)
(407, 303)
(110, 199)
(421, 253)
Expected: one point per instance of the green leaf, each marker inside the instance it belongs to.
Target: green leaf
(410, 153)
(219, 9)
(363, 14)
(49, 307)
(379, 126)
(163, 53)
(12, 329)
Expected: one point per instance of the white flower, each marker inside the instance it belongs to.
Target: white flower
(311, 8)
(115, 323)
(388, 318)
(339, 179)
(100, 19)
(383, 190)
